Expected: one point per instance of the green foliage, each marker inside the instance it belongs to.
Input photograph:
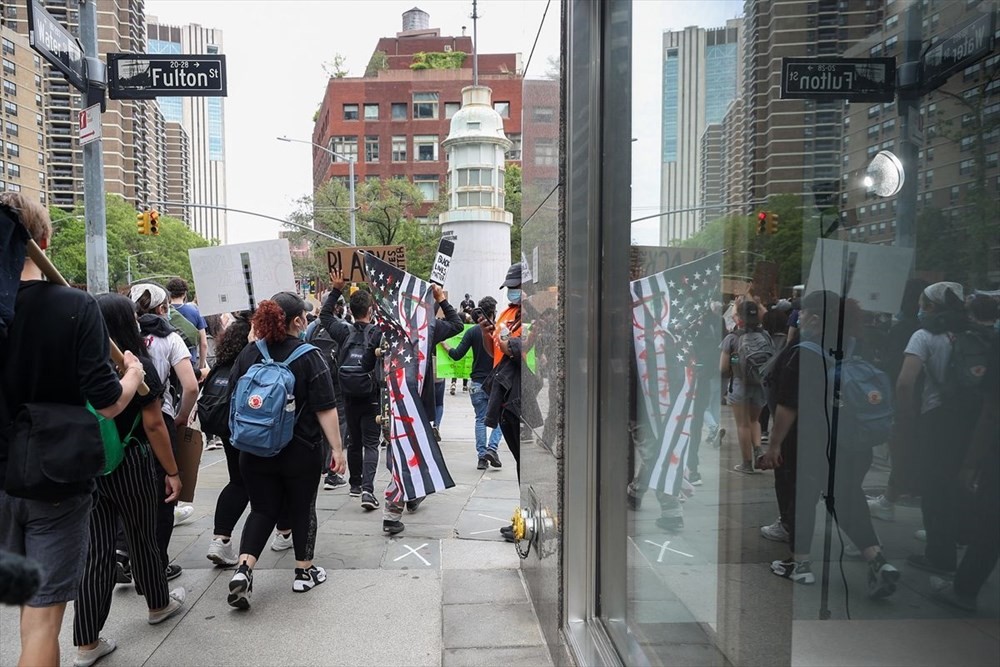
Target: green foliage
(438, 60)
(336, 68)
(512, 203)
(164, 255)
(386, 215)
(378, 62)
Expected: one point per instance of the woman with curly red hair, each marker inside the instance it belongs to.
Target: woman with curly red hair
(288, 480)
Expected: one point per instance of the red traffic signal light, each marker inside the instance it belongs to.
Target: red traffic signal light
(761, 222)
(154, 222)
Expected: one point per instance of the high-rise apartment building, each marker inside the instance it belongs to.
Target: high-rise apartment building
(794, 146)
(129, 133)
(22, 137)
(702, 75)
(203, 119)
(393, 119)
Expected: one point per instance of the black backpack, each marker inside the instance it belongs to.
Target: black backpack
(355, 381)
(973, 350)
(327, 345)
(213, 404)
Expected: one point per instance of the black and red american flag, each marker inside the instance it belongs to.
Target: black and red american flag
(404, 312)
(670, 315)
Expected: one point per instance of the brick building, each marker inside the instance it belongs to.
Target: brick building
(393, 119)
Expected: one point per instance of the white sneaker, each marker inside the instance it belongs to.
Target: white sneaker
(775, 532)
(306, 580)
(222, 553)
(175, 605)
(920, 535)
(214, 443)
(87, 657)
(882, 508)
(281, 542)
(183, 513)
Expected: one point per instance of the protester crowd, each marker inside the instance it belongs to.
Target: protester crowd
(292, 398)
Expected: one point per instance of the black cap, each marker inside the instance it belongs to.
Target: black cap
(513, 278)
(750, 312)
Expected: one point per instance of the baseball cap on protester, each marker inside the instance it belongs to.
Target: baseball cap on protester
(158, 296)
(513, 278)
(750, 312)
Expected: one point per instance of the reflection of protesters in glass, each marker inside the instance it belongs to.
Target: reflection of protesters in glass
(745, 353)
(798, 449)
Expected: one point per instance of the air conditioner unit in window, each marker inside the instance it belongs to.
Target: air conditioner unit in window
(447, 48)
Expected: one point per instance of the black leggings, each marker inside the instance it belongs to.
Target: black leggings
(510, 426)
(285, 484)
(234, 499)
(165, 511)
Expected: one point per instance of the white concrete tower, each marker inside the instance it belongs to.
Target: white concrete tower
(476, 218)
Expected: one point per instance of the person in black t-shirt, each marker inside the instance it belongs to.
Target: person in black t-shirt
(56, 352)
(288, 480)
(130, 494)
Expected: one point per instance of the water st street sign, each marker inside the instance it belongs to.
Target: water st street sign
(960, 48)
(56, 44)
(853, 79)
(137, 76)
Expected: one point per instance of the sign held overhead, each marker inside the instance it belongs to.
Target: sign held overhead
(137, 76)
(56, 45)
(351, 260)
(853, 79)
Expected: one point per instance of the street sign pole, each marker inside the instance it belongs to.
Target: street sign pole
(93, 174)
(908, 107)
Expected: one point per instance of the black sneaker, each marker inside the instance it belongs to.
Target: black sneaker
(437, 433)
(173, 571)
(392, 527)
(483, 464)
(123, 571)
(508, 533)
(308, 579)
(240, 588)
(694, 478)
(368, 501)
(493, 458)
(355, 492)
(798, 571)
(333, 481)
(882, 578)
(412, 505)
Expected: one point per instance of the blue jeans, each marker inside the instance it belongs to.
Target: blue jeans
(480, 399)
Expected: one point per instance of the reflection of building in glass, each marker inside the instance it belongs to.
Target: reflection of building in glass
(960, 148)
(701, 77)
(203, 119)
(22, 152)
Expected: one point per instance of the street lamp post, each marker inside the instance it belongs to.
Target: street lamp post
(128, 264)
(350, 176)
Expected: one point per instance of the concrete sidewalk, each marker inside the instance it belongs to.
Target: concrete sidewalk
(447, 591)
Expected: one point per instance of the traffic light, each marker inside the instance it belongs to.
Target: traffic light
(154, 222)
(142, 222)
(761, 222)
(772, 223)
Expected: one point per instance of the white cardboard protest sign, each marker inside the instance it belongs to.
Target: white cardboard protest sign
(442, 262)
(877, 274)
(221, 281)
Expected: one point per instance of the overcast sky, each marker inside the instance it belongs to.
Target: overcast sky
(276, 50)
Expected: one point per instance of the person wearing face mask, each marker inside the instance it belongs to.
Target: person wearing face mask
(797, 451)
(503, 341)
(172, 360)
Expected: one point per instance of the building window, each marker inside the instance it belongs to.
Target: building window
(956, 193)
(350, 112)
(13, 150)
(425, 106)
(371, 112)
(543, 114)
(399, 149)
(475, 177)
(991, 160)
(515, 149)
(928, 177)
(967, 142)
(873, 111)
(371, 149)
(345, 147)
(9, 88)
(8, 47)
(476, 198)
(14, 170)
(9, 108)
(546, 153)
(451, 108)
(399, 110)
(425, 148)
(889, 125)
(502, 108)
(10, 128)
(14, 187)
(428, 186)
(965, 167)
(9, 67)
(872, 131)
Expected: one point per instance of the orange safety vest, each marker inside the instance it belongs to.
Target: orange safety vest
(507, 317)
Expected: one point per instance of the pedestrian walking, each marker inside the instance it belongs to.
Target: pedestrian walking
(286, 478)
(482, 365)
(56, 369)
(129, 494)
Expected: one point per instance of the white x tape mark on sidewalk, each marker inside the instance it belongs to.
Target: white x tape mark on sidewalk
(411, 551)
(665, 547)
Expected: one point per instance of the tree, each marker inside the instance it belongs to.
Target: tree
(336, 68)
(163, 255)
(512, 203)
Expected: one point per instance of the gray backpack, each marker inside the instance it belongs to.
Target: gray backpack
(754, 350)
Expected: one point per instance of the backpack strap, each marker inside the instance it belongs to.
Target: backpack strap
(262, 346)
(298, 352)
(812, 347)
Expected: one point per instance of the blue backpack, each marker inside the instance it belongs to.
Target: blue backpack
(262, 409)
(866, 406)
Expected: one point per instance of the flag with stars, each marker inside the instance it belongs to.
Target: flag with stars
(404, 311)
(670, 312)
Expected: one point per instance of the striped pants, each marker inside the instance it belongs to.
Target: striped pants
(132, 495)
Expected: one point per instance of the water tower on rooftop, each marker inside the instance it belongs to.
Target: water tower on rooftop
(476, 218)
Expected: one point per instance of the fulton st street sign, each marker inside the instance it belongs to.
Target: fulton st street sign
(136, 76)
(56, 44)
(853, 79)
